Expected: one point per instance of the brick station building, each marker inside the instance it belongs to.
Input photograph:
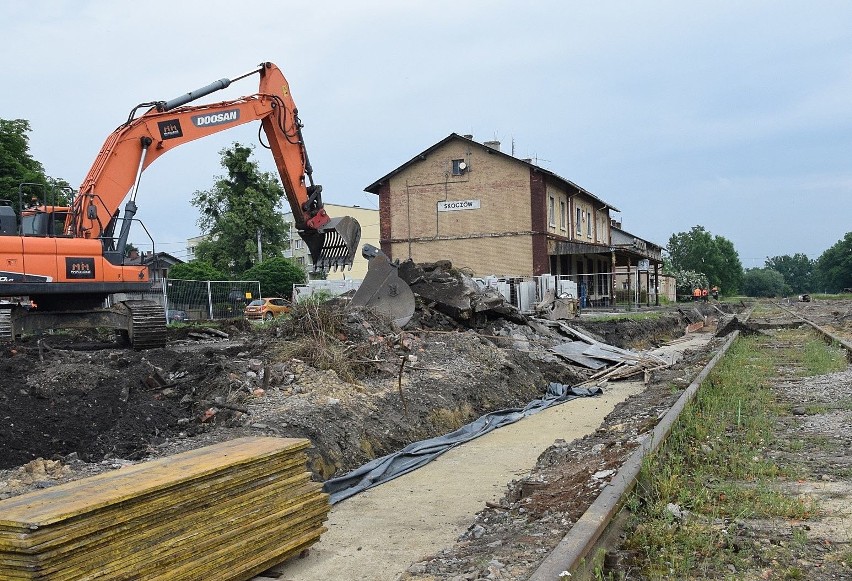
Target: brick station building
(491, 213)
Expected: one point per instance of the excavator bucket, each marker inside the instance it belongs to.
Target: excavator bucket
(334, 245)
(382, 290)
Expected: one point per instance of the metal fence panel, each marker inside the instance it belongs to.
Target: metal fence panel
(210, 299)
(330, 287)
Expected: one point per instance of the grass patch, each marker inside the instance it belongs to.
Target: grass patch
(820, 359)
(830, 297)
(714, 467)
(447, 420)
(844, 403)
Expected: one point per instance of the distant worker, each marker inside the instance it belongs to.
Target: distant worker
(696, 294)
(715, 292)
(704, 294)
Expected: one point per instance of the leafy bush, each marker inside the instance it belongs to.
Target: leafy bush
(196, 270)
(277, 276)
(764, 282)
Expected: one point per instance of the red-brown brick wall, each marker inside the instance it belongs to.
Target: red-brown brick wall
(538, 206)
(385, 219)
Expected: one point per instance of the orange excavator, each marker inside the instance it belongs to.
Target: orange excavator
(68, 259)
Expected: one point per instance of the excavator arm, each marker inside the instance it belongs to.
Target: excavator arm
(134, 146)
(68, 260)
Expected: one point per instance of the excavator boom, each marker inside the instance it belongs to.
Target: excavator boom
(69, 261)
(167, 124)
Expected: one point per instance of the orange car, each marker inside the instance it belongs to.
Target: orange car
(266, 309)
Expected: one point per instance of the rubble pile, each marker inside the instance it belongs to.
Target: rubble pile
(450, 291)
(465, 353)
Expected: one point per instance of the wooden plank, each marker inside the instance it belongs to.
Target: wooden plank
(577, 334)
(134, 552)
(67, 500)
(40, 539)
(225, 512)
(169, 525)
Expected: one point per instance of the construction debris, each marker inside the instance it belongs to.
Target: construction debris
(607, 361)
(734, 324)
(456, 294)
(226, 511)
(554, 307)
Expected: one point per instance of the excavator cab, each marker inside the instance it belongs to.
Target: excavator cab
(8, 219)
(44, 220)
(42, 209)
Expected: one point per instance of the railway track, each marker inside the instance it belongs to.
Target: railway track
(583, 552)
(507, 538)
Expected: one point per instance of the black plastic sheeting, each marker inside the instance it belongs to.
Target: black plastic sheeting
(420, 453)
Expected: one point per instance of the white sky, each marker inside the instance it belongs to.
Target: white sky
(733, 115)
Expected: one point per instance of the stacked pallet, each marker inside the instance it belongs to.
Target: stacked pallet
(223, 512)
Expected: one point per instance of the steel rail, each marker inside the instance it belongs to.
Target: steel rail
(826, 334)
(571, 552)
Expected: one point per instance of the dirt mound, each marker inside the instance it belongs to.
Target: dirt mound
(635, 333)
(57, 400)
(353, 383)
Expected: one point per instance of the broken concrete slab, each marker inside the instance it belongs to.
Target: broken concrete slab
(557, 308)
(456, 294)
(573, 351)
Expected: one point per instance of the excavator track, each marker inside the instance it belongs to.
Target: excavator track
(6, 325)
(147, 327)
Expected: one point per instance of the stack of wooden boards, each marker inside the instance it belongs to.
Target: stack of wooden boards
(223, 512)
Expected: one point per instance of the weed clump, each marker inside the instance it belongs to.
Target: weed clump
(327, 336)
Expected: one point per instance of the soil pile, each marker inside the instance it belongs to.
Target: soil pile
(353, 384)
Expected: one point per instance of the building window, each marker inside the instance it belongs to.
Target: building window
(579, 221)
(459, 167)
(562, 215)
(298, 244)
(589, 224)
(551, 211)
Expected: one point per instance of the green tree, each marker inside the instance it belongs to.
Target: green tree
(764, 282)
(834, 266)
(277, 276)
(797, 270)
(712, 256)
(239, 207)
(17, 166)
(196, 270)
(130, 249)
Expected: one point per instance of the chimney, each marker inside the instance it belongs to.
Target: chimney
(468, 136)
(495, 145)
